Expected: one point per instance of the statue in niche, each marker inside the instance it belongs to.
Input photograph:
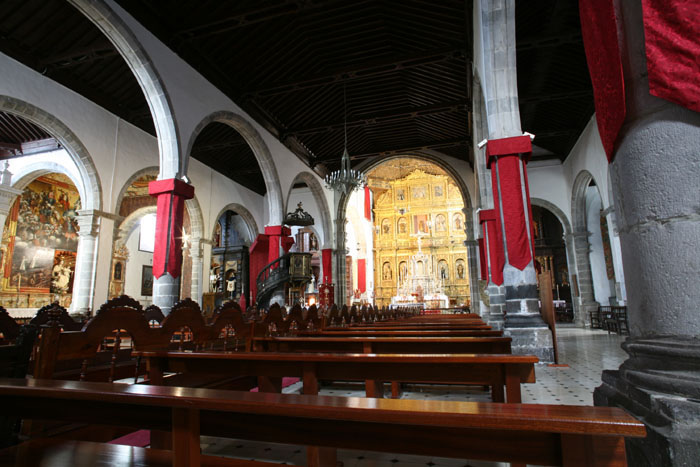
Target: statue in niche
(402, 226)
(460, 269)
(386, 272)
(458, 222)
(440, 223)
(400, 195)
(443, 270)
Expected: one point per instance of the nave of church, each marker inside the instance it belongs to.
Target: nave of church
(215, 214)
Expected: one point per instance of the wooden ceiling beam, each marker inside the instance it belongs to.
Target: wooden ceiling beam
(78, 57)
(552, 40)
(367, 69)
(385, 117)
(585, 93)
(411, 148)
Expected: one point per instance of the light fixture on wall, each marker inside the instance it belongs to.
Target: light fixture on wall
(345, 180)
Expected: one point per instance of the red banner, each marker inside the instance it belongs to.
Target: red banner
(599, 30)
(327, 261)
(672, 42)
(362, 275)
(171, 195)
(368, 204)
(489, 220)
(515, 226)
(483, 265)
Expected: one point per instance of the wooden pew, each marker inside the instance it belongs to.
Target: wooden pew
(494, 370)
(517, 433)
(346, 332)
(379, 345)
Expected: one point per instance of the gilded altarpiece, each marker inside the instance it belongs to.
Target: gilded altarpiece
(430, 207)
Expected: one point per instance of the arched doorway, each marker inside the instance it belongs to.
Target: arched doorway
(416, 198)
(229, 267)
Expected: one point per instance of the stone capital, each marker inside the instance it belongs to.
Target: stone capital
(8, 195)
(88, 222)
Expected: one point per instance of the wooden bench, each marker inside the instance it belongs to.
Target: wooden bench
(494, 370)
(517, 433)
(371, 344)
(345, 332)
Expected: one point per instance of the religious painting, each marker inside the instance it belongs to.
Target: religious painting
(402, 226)
(419, 192)
(459, 269)
(453, 191)
(420, 223)
(386, 227)
(62, 273)
(400, 194)
(443, 271)
(147, 281)
(438, 191)
(31, 267)
(136, 195)
(440, 223)
(386, 271)
(313, 242)
(47, 214)
(457, 222)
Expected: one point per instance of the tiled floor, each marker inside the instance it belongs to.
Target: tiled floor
(587, 353)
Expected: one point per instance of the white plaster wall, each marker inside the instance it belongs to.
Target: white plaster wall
(601, 285)
(588, 154)
(134, 265)
(547, 181)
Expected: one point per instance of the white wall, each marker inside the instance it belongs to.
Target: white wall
(547, 181)
(601, 285)
(134, 265)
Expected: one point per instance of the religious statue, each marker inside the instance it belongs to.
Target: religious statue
(387, 271)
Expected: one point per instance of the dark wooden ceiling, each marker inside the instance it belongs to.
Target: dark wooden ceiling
(403, 64)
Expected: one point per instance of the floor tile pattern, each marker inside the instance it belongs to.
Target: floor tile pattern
(586, 352)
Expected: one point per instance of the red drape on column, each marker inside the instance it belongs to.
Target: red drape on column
(599, 30)
(327, 260)
(672, 42)
(362, 275)
(259, 252)
(483, 265)
(171, 195)
(494, 248)
(276, 234)
(368, 204)
(504, 158)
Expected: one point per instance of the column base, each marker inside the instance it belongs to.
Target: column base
(532, 340)
(497, 306)
(660, 385)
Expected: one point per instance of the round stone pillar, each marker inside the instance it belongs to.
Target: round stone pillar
(197, 273)
(85, 261)
(166, 292)
(585, 279)
(655, 174)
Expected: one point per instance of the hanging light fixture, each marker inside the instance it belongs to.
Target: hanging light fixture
(345, 180)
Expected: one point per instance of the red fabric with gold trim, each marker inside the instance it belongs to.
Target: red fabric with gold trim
(672, 43)
(368, 204)
(515, 226)
(362, 275)
(505, 146)
(599, 30)
(167, 253)
(483, 265)
(327, 260)
(491, 232)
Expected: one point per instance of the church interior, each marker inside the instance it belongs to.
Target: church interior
(367, 233)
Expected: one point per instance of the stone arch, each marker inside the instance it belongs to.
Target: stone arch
(341, 211)
(318, 194)
(262, 155)
(153, 170)
(245, 214)
(558, 213)
(131, 222)
(172, 164)
(91, 194)
(582, 246)
(568, 243)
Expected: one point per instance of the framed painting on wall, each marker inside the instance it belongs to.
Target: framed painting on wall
(147, 281)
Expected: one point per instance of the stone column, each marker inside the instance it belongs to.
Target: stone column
(585, 279)
(340, 262)
(197, 270)
(472, 259)
(8, 195)
(655, 173)
(85, 262)
(167, 256)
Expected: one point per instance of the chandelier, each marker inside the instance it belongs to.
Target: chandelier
(345, 180)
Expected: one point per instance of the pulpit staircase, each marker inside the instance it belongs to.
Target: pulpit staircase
(292, 269)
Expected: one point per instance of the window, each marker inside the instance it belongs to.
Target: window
(148, 233)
